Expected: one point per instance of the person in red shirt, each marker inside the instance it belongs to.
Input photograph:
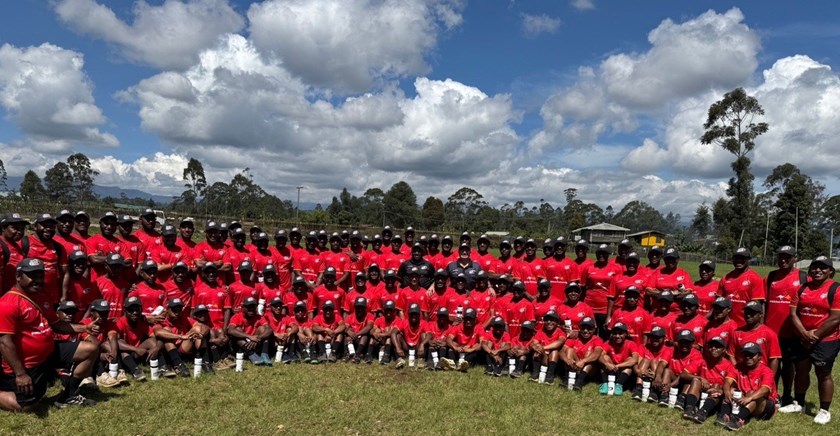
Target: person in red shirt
(518, 309)
(112, 285)
(624, 248)
(410, 334)
(669, 278)
(619, 358)
(328, 328)
(573, 310)
(43, 247)
(464, 342)
(559, 269)
(359, 326)
(28, 349)
(294, 241)
(521, 351)
(582, 254)
(361, 290)
(631, 277)
(12, 241)
(168, 253)
(548, 249)
(148, 236)
(244, 288)
(82, 224)
(131, 247)
(505, 264)
(328, 290)
(662, 316)
(251, 334)
(720, 325)
(679, 371)
(308, 264)
(216, 301)
(438, 330)
(706, 288)
(756, 332)
(518, 247)
(713, 372)
(180, 285)
(339, 261)
(815, 314)
(393, 256)
(261, 255)
(186, 229)
(285, 330)
(64, 233)
(270, 287)
(76, 287)
(530, 268)
(742, 285)
(547, 346)
(484, 258)
(99, 246)
(152, 295)
(496, 344)
(106, 340)
(383, 326)
(583, 352)
(304, 339)
(782, 285)
(632, 315)
(323, 238)
(689, 319)
(180, 338)
(212, 249)
(544, 302)
(654, 260)
(236, 252)
(299, 293)
(654, 353)
(135, 338)
(597, 279)
(283, 256)
(755, 381)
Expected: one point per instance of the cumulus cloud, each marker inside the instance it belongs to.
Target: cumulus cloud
(583, 5)
(48, 96)
(166, 36)
(709, 52)
(535, 25)
(349, 45)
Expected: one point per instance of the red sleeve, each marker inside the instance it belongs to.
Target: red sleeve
(228, 301)
(584, 276)
(574, 272)
(835, 305)
(773, 346)
(612, 291)
(8, 319)
(92, 247)
(758, 291)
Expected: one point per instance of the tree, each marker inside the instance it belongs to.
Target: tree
(462, 207)
(433, 213)
(195, 179)
(638, 216)
(609, 214)
(574, 214)
(400, 205)
(83, 176)
(59, 182)
(795, 198)
(702, 222)
(371, 208)
(31, 188)
(730, 125)
(3, 176)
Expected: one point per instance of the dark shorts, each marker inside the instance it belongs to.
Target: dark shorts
(822, 355)
(768, 412)
(788, 347)
(42, 377)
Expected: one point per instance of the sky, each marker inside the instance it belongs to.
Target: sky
(519, 100)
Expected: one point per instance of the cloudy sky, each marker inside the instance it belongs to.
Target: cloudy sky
(517, 99)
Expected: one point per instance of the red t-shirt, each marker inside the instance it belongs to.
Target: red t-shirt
(217, 301)
(184, 291)
(29, 325)
(438, 300)
(150, 296)
(268, 293)
(70, 243)
(284, 264)
(620, 353)
(741, 289)
(782, 291)
(529, 272)
(133, 335)
(439, 329)
(690, 362)
(275, 322)
(666, 322)
(497, 341)
(542, 307)
(114, 292)
(341, 262)
(322, 294)
(238, 292)
(505, 266)
(545, 338)
(179, 327)
(637, 322)
(706, 295)
(464, 338)
(356, 324)
(764, 337)
(150, 241)
(581, 348)
(411, 334)
(576, 313)
(715, 371)
(99, 245)
(408, 296)
(329, 324)
(53, 256)
(210, 252)
(560, 273)
(517, 313)
(235, 257)
(82, 292)
(696, 324)
(813, 307)
(661, 280)
(382, 323)
(598, 281)
(664, 352)
(163, 255)
(309, 264)
(248, 325)
(621, 282)
(750, 380)
(482, 302)
(290, 298)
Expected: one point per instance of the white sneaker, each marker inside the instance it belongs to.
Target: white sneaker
(823, 417)
(793, 407)
(447, 364)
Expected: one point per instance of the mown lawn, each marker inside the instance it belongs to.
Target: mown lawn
(359, 399)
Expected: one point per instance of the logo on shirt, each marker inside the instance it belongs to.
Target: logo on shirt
(221, 294)
(745, 283)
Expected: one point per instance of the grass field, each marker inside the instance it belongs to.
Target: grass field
(360, 399)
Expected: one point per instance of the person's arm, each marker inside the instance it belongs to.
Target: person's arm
(487, 346)
(828, 326)
(344, 277)
(610, 305)
(123, 346)
(237, 333)
(450, 342)
(757, 394)
(799, 328)
(65, 287)
(366, 329)
(228, 312)
(318, 329)
(728, 385)
(10, 355)
(630, 362)
(164, 333)
(340, 328)
(556, 345)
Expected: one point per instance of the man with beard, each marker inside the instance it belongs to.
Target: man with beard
(169, 253)
(51, 253)
(282, 256)
(64, 233)
(212, 250)
(101, 245)
(186, 229)
(148, 236)
(236, 253)
(82, 224)
(131, 247)
(425, 268)
(308, 264)
(559, 269)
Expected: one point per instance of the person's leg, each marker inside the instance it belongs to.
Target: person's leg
(802, 381)
(692, 397)
(81, 357)
(786, 370)
(825, 386)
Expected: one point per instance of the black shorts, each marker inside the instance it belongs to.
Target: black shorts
(822, 354)
(768, 412)
(63, 354)
(788, 347)
(42, 377)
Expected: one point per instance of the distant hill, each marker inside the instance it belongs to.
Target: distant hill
(13, 183)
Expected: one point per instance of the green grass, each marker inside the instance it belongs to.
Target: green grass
(360, 399)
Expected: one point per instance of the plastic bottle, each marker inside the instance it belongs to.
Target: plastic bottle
(736, 409)
(261, 306)
(351, 349)
(572, 380)
(113, 369)
(328, 349)
(197, 362)
(543, 373)
(435, 358)
(610, 384)
(278, 356)
(411, 357)
(511, 365)
(240, 359)
(645, 391)
(672, 398)
(155, 368)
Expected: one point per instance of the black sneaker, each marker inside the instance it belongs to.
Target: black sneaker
(735, 424)
(183, 371)
(167, 372)
(663, 400)
(75, 400)
(700, 417)
(139, 375)
(689, 412)
(680, 404)
(357, 359)
(488, 370)
(207, 368)
(516, 373)
(722, 420)
(637, 393)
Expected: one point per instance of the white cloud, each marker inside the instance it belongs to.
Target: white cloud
(48, 96)
(167, 36)
(349, 45)
(709, 52)
(583, 5)
(535, 25)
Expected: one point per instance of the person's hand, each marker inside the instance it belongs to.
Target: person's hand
(106, 357)
(491, 292)
(141, 353)
(578, 365)
(24, 384)
(743, 401)
(811, 337)
(92, 329)
(649, 373)
(498, 359)
(610, 367)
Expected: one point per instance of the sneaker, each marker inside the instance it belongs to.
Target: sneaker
(619, 390)
(255, 359)
(604, 389)
(266, 359)
(793, 407)
(183, 371)
(680, 404)
(368, 360)
(88, 382)
(121, 377)
(663, 399)
(488, 370)
(332, 358)
(735, 424)
(653, 397)
(516, 373)
(722, 420)
(689, 413)
(700, 417)
(400, 363)
(207, 368)
(549, 381)
(306, 357)
(463, 366)
(139, 375)
(446, 363)
(75, 400)
(637, 393)
(106, 381)
(356, 359)
(823, 417)
(167, 372)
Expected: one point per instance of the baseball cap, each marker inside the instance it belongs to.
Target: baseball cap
(294, 231)
(269, 269)
(255, 229)
(672, 253)
(466, 235)
(250, 301)
(666, 296)
(434, 237)
(690, 300)
(484, 238)
(751, 348)
(245, 266)
(389, 305)
(754, 306)
(498, 321)
(100, 305)
(199, 309)
(299, 281)
(175, 302)
(657, 332)
(481, 275)
(114, 259)
(361, 276)
(237, 233)
(42, 218)
(328, 305)
(168, 230)
(418, 247)
(548, 243)
(390, 274)
(77, 255)
(503, 278)
(186, 221)
(573, 287)
(741, 252)
(180, 265)
(209, 266)
(530, 242)
(64, 214)
(685, 335)
(276, 302)
(148, 212)
(300, 305)
(211, 225)
(360, 302)
(632, 290)
(470, 313)
(261, 236)
(376, 237)
(519, 240)
(461, 276)
(722, 302)
(387, 229)
(68, 306)
(330, 271)
(414, 271)
(561, 241)
(125, 219)
(655, 249)
(544, 284)
(633, 256)
(582, 243)
(132, 302)
(148, 265)
(551, 315)
(281, 234)
(443, 312)
(464, 247)
(786, 249)
(414, 308)
(587, 322)
(409, 229)
(13, 218)
(374, 266)
(529, 325)
(708, 263)
(447, 238)
(822, 260)
(335, 236)
(396, 238)
(717, 339)
(619, 327)
(312, 235)
(107, 216)
(518, 286)
(603, 248)
(441, 273)
(625, 243)
(355, 234)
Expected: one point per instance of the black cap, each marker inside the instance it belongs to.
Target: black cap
(529, 325)
(269, 269)
(168, 230)
(294, 231)
(671, 252)
(632, 256)
(441, 273)
(390, 274)
(355, 234)
(666, 296)
(657, 332)
(209, 266)
(561, 241)
(211, 225)
(443, 312)
(100, 305)
(414, 271)
(470, 313)
(42, 218)
(148, 212)
(582, 243)
(409, 229)
(245, 266)
(742, 252)
(619, 327)
(390, 304)
(237, 233)
(148, 265)
(329, 304)
(387, 229)
(68, 307)
(722, 302)
(504, 243)
(717, 340)
(300, 305)
(330, 272)
(751, 348)
(632, 290)
(361, 276)
(484, 238)
(77, 255)
(125, 219)
(82, 214)
(686, 335)
(464, 247)
(418, 247)
(175, 302)
(498, 321)
(603, 248)
(625, 243)
(276, 302)
(544, 284)
(132, 302)
(360, 302)
(187, 221)
(690, 300)
(13, 218)
(754, 306)
(551, 315)
(261, 236)
(822, 260)
(518, 286)
(396, 238)
(414, 308)
(482, 275)
(708, 263)
(655, 249)
(504, 278)
(107, 216)
(299, 281)
(530, 242)
(335, 236)
(447, 238)
(64, 214)
(312, 235)
(572, 286)
(180, 265)
(786, 249)
(114, 259)
(587, 322)
(250, 301)
(548, 243)
(199, 309)
(461, 276)
(466, 235)
(373, 266)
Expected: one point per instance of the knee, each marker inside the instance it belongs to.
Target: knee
(87, 351)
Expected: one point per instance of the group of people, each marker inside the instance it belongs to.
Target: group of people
(96, 309)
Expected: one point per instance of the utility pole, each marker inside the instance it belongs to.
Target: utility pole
(796, 233)
(297, 208)
(766, 234)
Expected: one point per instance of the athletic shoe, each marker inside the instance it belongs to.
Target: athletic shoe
(619, 390)
(604, 389)
(357, 360)
(637, 393)
(680, 404)
(139, 375)
(315, 360)
(549, 380)
(793, 407)
(183, 371)
(689, 412)
(463, 366)
(699, 417)
(735, 424)
(167, 372)
(516, 373)
(106, 381)
(400, 363)
(332, 358)
(121, 377)
(75, 400)
(488, 370)
(207, 368)
(722, 420)
(653, 397)
(446, 363)
(266, 359)
(88, 382)
(823, 417)
(255, 359)
(663, 399)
